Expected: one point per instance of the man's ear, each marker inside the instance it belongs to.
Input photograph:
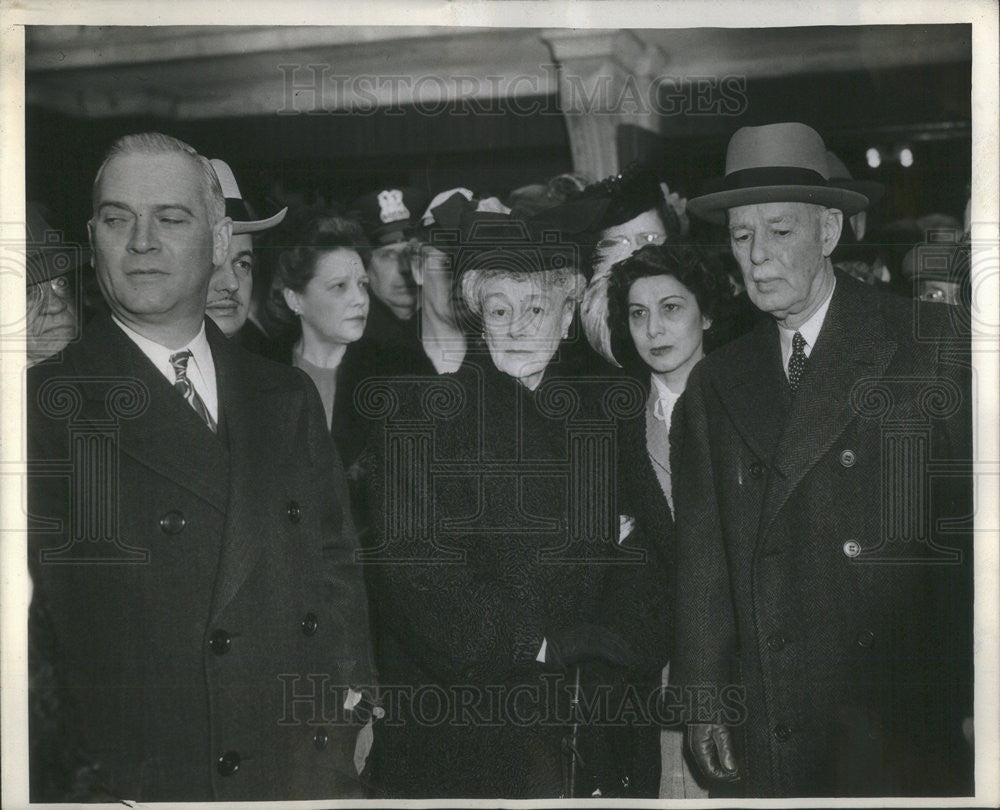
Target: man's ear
(222, 235)
(831, 225)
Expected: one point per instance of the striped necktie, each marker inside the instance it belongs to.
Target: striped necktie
(179, 361)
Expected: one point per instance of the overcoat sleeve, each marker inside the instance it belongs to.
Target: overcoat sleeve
(705, 632)
(637, 594)
(344, 577)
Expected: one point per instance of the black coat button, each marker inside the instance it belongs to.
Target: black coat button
(219, 642)
(294, 512)
(865, 638)
(775, 642)
(847, 458)
(309, 624)
(320, 738)
(228, 763)
(173, 522)
(782, 732)
(756, 470)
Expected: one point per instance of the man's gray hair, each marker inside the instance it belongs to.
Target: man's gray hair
(568, 280)
(156, 143)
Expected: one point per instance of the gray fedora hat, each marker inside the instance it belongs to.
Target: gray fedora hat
(775, 163)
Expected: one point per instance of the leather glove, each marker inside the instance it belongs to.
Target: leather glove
(712, 748)
(586, 642)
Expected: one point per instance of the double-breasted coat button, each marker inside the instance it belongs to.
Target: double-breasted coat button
(865, 638)
(756, 470)
(847, 458)
(852, 548)
(320, 739)
(782, 732)
(172, 522)
(294, 512)
(228, 763)
(775, 642)
(219, 642)
(309, 624)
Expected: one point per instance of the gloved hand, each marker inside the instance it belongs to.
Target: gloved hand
(586, 642)
(712, 747)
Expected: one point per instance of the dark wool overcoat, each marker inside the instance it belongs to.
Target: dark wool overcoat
(497, 521)
(824, 565)
(197, 610)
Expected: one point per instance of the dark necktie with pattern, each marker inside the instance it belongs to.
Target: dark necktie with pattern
(797, 362)
(179, 361)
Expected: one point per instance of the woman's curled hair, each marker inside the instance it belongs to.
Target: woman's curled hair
(685, 263)
(296, 264)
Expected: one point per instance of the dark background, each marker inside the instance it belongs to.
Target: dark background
(341, 155)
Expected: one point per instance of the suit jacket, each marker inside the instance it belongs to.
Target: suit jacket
(252, 338)
(196, 598)
(822, 595)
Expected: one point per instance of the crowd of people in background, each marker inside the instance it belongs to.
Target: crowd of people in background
(515, 468)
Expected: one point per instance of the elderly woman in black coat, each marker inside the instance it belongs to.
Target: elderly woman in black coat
(651, 315)
(499, 569)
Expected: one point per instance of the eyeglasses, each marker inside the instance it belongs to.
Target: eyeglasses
(626, 242)
(60, 287)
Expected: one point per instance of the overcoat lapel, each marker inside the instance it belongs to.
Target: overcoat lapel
(852, 345)
(166, 435)
(753, 391)
(251, 408)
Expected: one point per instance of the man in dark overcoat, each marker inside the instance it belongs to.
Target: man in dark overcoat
(198, 620)
(822, 464)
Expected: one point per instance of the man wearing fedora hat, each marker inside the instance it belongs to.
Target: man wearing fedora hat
(192, 558)
(816, 573)
(231, 286)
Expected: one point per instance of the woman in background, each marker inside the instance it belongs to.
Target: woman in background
(651, 318)
(318, 305)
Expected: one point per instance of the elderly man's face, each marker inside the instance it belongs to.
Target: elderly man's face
(153, 244)
(783, 250)
(523, 323)
(51, 318)
(231, 285)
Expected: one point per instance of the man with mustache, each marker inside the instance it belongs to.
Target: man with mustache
(230, 291)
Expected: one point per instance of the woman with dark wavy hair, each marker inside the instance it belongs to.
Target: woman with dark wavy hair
(318, 304)
(653, 320)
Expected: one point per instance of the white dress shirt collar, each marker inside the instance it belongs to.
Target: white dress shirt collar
(200, 368)
(809, 330)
